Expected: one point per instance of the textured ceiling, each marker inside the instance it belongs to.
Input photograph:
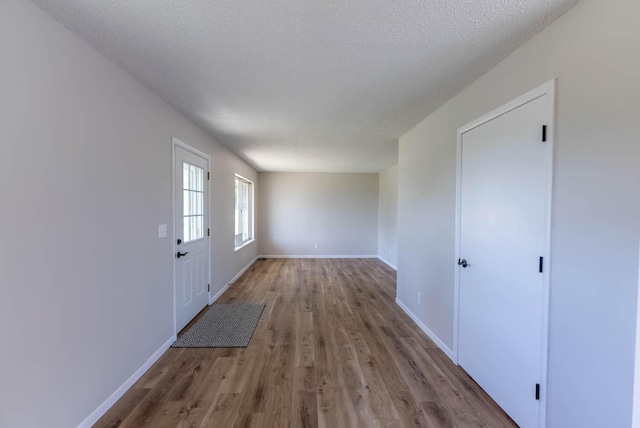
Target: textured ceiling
(301, 85)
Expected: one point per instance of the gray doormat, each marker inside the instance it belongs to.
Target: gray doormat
(222, 326)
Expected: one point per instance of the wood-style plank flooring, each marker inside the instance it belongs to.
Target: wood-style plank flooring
(332, 349)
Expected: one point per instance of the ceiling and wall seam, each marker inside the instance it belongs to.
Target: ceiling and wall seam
(302, 86)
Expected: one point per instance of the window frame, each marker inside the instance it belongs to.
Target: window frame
(186, 237)
(249, 212)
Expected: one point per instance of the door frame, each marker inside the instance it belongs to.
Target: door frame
(548, 88)
(177, 143)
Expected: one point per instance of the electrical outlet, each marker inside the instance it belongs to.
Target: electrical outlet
(316, 246)
(162, 231)
(419, 298)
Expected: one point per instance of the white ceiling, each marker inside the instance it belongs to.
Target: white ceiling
(301, 85)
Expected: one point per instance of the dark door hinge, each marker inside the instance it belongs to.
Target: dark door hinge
(208, 232)
(209, 287)
(544, 133)
(208, 175)
(537, 391)
(541, 264)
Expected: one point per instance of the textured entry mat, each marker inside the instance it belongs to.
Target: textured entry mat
(222, 326)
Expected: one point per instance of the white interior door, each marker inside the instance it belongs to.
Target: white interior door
(191, 234)
(503, 205)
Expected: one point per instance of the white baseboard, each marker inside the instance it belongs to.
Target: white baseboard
(102, 409)
(213, 299)
(388, 263)
(319, 256)
(426, 331)
(230, 283)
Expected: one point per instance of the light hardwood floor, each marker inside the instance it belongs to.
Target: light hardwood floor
(332, 349)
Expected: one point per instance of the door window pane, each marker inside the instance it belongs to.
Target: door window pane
(193, 202)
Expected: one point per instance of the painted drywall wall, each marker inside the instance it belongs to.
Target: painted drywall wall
(593, 51)
(86, 291)
(388, 215)
(339, 212)
(636, 374)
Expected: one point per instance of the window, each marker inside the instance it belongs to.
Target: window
(244, 211)
(192, 200)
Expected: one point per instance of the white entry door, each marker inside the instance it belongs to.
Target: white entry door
(191, 234)
(503, 210)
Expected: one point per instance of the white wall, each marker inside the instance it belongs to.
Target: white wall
(388, 215)
(337, 211)
(636, 374)
(593, 51)
(86, 292)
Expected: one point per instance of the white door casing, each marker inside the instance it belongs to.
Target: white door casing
(191, 229)
(502, 230)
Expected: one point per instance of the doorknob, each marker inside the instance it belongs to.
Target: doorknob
(462, 263)
(181, 254)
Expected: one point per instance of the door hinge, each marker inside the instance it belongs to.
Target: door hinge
(540, 264)
(209, 287)
(208, 175)
(208, 232)
(544, 133)
(537, 391)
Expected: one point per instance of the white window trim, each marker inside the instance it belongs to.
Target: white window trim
(251, 211)
(244, 244)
